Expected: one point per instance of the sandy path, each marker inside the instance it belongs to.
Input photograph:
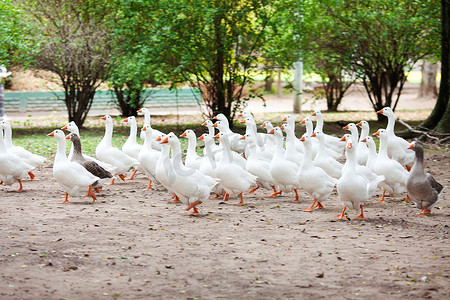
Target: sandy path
(132, 244)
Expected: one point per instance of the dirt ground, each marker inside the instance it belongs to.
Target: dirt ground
(133, 244)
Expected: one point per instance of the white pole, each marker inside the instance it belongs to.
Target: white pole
(298, 86)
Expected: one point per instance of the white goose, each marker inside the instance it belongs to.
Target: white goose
(164, 168)
(191, 186)
(209, 165)
(29, 158)
(361, 156)
(112, 155)
(283, 171)
(234, 179)
(236, 144)
(193, 160)
(258, 166)
(148, 157)
(314, 180)
(394, 173)
(331, 142)
(325, 161)
(237, 158)
(315, 144)
(155, 133)
(131, 147)
(73, 128)
(289, 119)
(71, 176)
(352, 187)
(257, 138)
(12, 168)
(270, 138)
(397, 147)
(291, 153)
(363, 150)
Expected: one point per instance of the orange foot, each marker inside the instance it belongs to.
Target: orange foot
(253, 190)
(112, 182)
(122, 177)
(242, 201)
(132, 175)
(31, 175)
(149, 187)
(215, 197)
(175, 199)
(407, 198)
(65, 200)
(318, 206)
(194, 212)
(311, 207)
(296, 200)
(361, 216)
(342, 215)
(273, 195)
(382, 197)
(21, 187)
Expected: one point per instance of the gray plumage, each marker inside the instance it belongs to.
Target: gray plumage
(89, 165)
(422, 188)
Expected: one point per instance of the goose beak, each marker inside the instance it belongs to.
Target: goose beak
(216, 136)
(380, 111)
(284, 119)
(302, 139)
(263, 125)
(158, 139)
(214, 125)
(271, 131)
(140, 111)
(349, 146)
(364, 140)
(243, 121)
(144, 128)
(411, 146)
(68, 137)
(313, 135)
(314, 114)
(346, 127)
(125, 120)
(359, 124)
(64, 128)
(377, 133)
(201, 138)
(343, 139)
(282, 127)
(183, 134)
(303, 121)
(215, 118)
(204, 123)
(103, 118)
(51, 134)
(240, 115)
(165, 141)
(243, 137)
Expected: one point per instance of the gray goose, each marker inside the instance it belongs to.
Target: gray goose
(90, 165)
(422, 188)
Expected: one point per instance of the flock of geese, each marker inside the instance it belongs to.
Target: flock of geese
(276, 161)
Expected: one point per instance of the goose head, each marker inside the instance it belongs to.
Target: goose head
(345, 137)
(71, 127)
(189, 133)
(268, 125)
(386, 111)
(317, 113)
(381, 133)
(108, 119)
(57, 134)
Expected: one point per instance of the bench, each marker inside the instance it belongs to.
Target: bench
(54, 101)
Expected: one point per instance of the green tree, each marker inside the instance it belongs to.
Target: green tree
(74, 43)
(388, 38)
(439, 119)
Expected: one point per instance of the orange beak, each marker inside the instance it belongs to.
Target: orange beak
(204, 123)
(215, 118)
(184, 134)
(364, 140)
(380, 111)
(359, 124)
(346, 127)
(349, 146)
(216, 136)
(271, 131)
(158, 139)
(139, 111)
(263, 125)
(243, 121)
(343, 139)
(411, 146)
(51, 134)
(125, 120)
(214, 125)
(64, 128)
(166, 140)
(282, 127)
(240, 115)
(201, 138)
(314, 114)
(303, 121)
(313, 135)
(284, 119)
(144, 128)
(103, 118)
(243, 137)
(377, 133)
(302, 139)
(68, 137)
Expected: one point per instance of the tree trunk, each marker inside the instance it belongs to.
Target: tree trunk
(2, 101)
(428, 88)
(269, 82)
(439, 117)
(279, 85)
